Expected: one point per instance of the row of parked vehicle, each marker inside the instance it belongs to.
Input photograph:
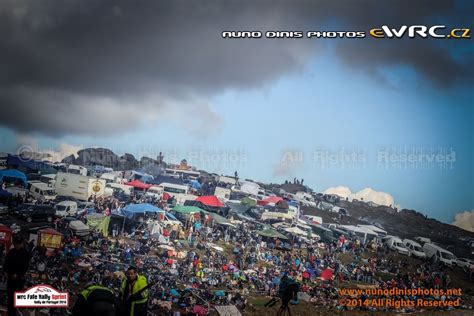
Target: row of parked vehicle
(429, 250)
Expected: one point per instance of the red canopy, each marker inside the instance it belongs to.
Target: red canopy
(270, 199)
(327, 274)
(210, 200)
(138, 184)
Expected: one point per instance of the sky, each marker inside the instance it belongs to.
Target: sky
(158, 76)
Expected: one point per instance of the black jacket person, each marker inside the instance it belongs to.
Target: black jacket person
(15, 267)
(96, 300)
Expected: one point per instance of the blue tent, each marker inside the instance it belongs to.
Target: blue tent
(26, 164)
(132, 209)
(195, 184)
(13, 173)
(5, 194)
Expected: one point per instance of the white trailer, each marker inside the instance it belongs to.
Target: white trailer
(79, 187)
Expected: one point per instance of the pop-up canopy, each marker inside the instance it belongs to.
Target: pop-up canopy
(13, 174)
(210, 200)
(139, 185)
(133, 209)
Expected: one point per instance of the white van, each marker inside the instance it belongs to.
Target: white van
(41, 191)
(414, 249)
(439, 254)
(396, 244)
(66, 208)
(155, 192)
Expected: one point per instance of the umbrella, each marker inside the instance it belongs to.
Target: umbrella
(327, 274)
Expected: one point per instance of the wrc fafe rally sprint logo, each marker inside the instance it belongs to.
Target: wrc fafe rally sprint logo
(41, 295)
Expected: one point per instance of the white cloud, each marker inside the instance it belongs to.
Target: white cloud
(367, 194)
(29, 144)
(465, 220)
(64, 150)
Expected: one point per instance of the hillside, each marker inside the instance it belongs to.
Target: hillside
(406, 224)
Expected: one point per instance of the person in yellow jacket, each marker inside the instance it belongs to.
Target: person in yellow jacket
(96, 300)
(134, 298)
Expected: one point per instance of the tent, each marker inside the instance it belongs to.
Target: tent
(133, 209)
(5, 236)
(13, 173)
(210, 200)
(271, 233)
(26, 164)
(270, 199)
(220, 219)
(248, 201)
(5, 194)
(295, 231)
(238, 207)
(195, 184)
(99, 222)
(50, 238)
(137, 184)
(186, 209)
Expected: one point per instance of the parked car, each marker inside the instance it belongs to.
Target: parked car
(3, 210)
(414, 249)
(464, 263)
(41, 191)
(77, 227)
(31, 212)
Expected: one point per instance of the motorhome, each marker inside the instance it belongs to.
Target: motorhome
(439, 254)
(414, 248)
(173, 189)
(41, 191)
(380, 232)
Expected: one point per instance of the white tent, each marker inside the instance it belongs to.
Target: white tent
(295, 231)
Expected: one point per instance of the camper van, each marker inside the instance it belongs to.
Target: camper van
(439, 254)
(41, 191)
(414, 249)
(396, 244)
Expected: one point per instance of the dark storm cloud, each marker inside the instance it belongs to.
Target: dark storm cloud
(109, 64)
